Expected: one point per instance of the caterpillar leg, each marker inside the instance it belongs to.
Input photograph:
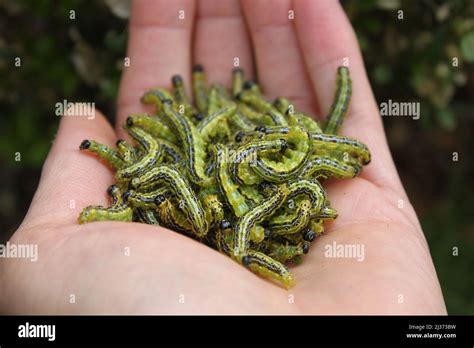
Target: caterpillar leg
(328, 167)
(339, 144)
(147, 216)
(240, 164)
(213, 208)
(127, 152)
(284, 224)
(289, 165)
(283, 252)
(99, 213)
(173, 218)
(223, 237)
(144, 200)
(115, 194)
(326, 213)
(117, 212)
(269, 268)
(310, 188)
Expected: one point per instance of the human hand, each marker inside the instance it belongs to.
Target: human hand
(166, 272)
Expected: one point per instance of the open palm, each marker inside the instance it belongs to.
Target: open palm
(113, 267)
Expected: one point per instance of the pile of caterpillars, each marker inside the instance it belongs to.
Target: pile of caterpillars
(231, 169)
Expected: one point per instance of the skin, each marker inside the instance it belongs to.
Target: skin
(88, 260)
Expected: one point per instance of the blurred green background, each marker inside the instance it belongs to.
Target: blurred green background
(408, 59)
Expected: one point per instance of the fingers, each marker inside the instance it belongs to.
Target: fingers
(221, 38)
(159, 46)
(327, 41)
(280, 65)
(72, 179)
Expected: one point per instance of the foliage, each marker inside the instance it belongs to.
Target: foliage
(417, 51)
(61, 58)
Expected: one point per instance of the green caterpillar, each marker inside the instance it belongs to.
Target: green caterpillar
(233, 170)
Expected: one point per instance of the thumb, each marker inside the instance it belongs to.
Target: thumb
(72, 179)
